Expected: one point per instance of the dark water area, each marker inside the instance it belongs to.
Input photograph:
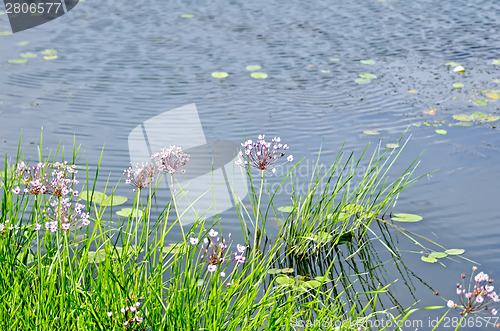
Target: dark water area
(122, 63)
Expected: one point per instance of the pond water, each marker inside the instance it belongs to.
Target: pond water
(122, 63)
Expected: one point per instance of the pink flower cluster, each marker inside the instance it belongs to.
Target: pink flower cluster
(478, 295)
(214, 251)
(171, 159)
(55, 179)
(62, 214)
(142, 176)
(263, 155)
(128, 317)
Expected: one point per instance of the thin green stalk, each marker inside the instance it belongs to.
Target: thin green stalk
(258, 211)
(175, 206)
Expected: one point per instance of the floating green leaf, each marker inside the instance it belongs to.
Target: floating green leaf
(50, 57)
(478, 116)
(127, 212)
(274, 271)
(322, 237)
(438, 255)
(312, 283)
(428, 259)
(464, 124)
(253, 67)
(49, 51)
(28, 55)
(458, 85)
(362, 81)
(284, 280)
(367, 61)
(335, 59)
(391, 146)
(97, 257)
(371, 132)
(367, 76)
(451, 63)
(491, 118)
(187, 15)
(480, 102)
(455, 251)
(5, 33)
(23, 43)
(219, 74)
(102, 199)
(406, 218)
(495, 62)
(324, 279)
(287, 270)
(172, 248)
(325, 71)
(258, 75)
(343, 238)
(286, 209)
(18, 61)
(441, 131)
(463, 118)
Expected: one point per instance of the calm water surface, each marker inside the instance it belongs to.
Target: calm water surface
(121, 63)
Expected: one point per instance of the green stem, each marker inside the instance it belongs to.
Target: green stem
(258, 211)
(175, 206)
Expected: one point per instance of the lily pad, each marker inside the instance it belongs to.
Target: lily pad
(219, 74)
(274, 271)
(362, 81)
(284, 280)
(172, 248)
(102, 199)
(428, 259)
(5, 33)
(491, 118)
(49, 51)
(367, 76)
(463, 118)
(127, 212)
(493, 95)
(391, 146)
(438, 255)
(312, 283)
(458, 85)
(478, 116)
(18, 61)
(335, 59)
(258, 75)
(464, 124)
(406, 218)
(367, 61)
(495, 62)
(286, 209)
(325, 71)
(412, 91)
(441, 131)
(480, 102)
(253, 67)
(187, 15)
(371, 132)
(322, 237)
(322, 279)
(451, 63)
(23, 43)
(287, 270)
(97, 257)
(50, 57)
(28, 55)
(455, 251)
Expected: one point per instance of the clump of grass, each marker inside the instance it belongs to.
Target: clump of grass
(127, 273)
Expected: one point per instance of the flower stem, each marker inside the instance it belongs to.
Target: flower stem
(258, 211)
(175, 206)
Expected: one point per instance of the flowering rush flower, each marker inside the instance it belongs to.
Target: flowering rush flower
(264, 155)
(171, 159)
(142, 176)
(477, 297)
(63, 214)
(55, 179)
